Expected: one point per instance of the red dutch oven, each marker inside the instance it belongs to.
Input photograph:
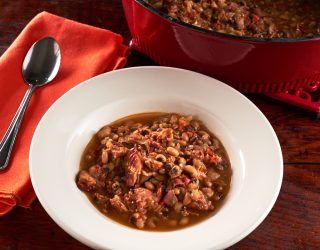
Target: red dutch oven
(248, 64)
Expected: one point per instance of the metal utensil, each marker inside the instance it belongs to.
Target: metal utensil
(39, 67)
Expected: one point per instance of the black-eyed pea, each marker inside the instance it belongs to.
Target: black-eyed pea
(175, 171)
(156, 164)
(191, 186)
(178, 206)
(187, 199)
(172, 151)
(195, 124)
(176, 191)
(161, 158)
(149, 185)
(136, 215)
(182, 161)
(204, 135)
(198, 164)
(109, 144)
(185, 137)
(159, 177)
(208, 183)
(182, 143)
(152, 154)
(154, 181)
(184, 221)
(208, 192)
(104, 156)
(162, 171)
(172, 223)
(191, 170)
(105, 131)
(144, 178)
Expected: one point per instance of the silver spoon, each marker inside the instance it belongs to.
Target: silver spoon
(39, 67)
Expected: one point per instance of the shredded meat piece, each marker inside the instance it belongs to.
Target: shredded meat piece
(159, 192)
(167, 134)
(133, 166)
(153, 164)
(118, 204)
(170, 199)
(140, 199)
(199, 200)
(117, 151)
(97, 172)
(181, 181)
(135, 137)
(86, 182)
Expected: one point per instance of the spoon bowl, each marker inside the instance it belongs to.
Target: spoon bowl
(42, 62)
(40, 66)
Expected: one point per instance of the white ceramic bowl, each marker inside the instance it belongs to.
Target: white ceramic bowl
(69, 124)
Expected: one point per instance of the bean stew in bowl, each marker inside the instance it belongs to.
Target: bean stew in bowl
(155, 171)
(175, 175)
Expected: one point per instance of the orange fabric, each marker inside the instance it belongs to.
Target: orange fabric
(85, 52)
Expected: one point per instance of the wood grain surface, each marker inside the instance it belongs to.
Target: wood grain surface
(293, 223)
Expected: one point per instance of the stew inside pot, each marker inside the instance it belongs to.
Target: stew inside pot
(250, 18)
(155, 171)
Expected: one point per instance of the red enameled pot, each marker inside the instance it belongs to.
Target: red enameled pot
(248, 64)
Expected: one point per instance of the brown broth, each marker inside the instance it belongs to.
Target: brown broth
(162, 225)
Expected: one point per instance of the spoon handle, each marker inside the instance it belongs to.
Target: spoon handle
(9, 138)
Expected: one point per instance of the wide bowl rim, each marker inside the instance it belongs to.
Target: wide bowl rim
(91, 243)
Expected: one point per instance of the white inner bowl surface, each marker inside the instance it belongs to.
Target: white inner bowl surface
(67, 127)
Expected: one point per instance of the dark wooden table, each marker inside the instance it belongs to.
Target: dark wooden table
(294, 222)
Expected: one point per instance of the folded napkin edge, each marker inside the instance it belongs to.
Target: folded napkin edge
(45, 13)
(24, 195)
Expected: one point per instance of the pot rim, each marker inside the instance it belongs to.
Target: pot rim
(224, 35)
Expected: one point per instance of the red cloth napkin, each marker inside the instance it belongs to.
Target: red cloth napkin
(86, 51)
